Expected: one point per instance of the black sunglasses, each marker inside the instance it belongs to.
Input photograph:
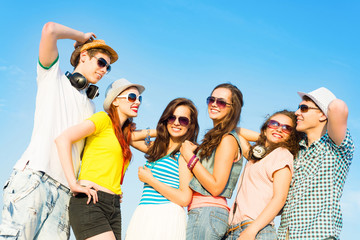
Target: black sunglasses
(220, 102)
(183, 121)
(284, 127)
(101, 62)
(305, 108)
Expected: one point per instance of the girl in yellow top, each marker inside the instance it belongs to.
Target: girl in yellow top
(105, 159)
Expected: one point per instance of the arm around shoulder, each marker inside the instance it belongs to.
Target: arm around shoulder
(337, 120)
(247, 134)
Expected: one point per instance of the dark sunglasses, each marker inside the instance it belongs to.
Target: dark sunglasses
(131, 97)
(305, 108)
(284, 127)
(102, 63)
(183, 121)
(220, 102)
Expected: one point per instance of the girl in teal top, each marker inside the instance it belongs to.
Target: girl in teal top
(166, 177)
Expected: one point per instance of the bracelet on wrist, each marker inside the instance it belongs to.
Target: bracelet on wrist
(193, 163)
(147, 138)
(191, 160)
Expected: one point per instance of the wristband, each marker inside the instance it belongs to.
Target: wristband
(193, 164)
(191, 161)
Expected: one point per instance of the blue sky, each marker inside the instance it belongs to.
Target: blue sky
(269, 49)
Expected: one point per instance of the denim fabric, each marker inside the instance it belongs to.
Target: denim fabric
(207, 223)
(267, 233)
(35, 207)
(209, 165)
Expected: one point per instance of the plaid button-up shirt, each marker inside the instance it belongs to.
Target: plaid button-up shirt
(312, 209)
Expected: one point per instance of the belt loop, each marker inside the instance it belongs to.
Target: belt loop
(44, 176)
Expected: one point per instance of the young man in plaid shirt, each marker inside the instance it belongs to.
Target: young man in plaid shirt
(312, 209)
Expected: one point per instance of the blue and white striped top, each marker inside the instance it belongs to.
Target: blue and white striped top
(166, 170)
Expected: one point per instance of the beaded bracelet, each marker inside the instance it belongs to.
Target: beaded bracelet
(147, 138)
(191, 161)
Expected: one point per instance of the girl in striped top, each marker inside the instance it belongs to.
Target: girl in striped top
(166, 176)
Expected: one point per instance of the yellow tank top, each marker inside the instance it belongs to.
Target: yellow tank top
(102, 161)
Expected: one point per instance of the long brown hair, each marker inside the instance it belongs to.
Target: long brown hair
(159, 147)
(123, 134)
(213, 137)
(291, 144)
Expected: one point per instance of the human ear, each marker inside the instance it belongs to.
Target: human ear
(323, 118)
(83, 56)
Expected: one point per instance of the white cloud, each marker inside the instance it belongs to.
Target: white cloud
(339, 63)
(12, 69)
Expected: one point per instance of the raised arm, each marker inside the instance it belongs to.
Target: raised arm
(63, 144)
(181, 196)
(247, 134)
(337, 120)
(282, 179)
(245, 147)
(226, 153)
(52, 32)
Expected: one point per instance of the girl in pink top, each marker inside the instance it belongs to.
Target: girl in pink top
(265, 181)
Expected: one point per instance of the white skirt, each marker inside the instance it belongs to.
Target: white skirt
(157, 221)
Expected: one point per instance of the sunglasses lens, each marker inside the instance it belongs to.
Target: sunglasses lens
(286, 128)
(102, 63)
(304, 108)
(273, 124)
(132, 97)
(184, 121)
(210, 100)
(221, 103)
(171, 119)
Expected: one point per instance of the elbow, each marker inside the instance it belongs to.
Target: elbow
(337, 107)
(216, 192)
(59, 140)
(49, 28)
(185, 199)
(184, 202)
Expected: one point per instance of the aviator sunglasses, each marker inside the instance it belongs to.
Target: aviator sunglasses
(131, 97)
(183, 121)
(101, 62)
(284, 127)
(305, 108)
(220, 102)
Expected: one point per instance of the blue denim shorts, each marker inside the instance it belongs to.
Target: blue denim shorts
(88, 220)
(35, 206)
(207, 223)
(267, 233)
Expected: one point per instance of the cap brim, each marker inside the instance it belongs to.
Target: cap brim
(113, 58)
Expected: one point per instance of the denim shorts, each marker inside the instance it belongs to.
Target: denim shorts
(35, 207)
(207, 223)
(267, 233)
(88, 220)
